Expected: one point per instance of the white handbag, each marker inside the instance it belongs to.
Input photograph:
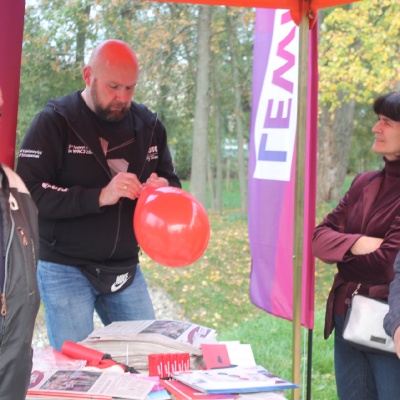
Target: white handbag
(364, 324)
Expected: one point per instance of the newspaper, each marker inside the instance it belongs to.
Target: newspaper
(88, 384)
(130, 342)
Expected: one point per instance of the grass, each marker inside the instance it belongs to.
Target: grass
(214, 291)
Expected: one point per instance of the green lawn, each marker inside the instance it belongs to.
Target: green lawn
(214, 292)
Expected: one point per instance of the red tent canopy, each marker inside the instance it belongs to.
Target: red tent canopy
(284, 4)
(297, 7)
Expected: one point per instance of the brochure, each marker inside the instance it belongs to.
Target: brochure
(233, 380)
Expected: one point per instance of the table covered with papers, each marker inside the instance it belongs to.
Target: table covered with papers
(217, 370)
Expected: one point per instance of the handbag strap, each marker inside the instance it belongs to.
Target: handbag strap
(356, 290)
(353, 294)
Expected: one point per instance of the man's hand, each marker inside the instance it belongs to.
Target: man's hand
(124, 184)
(365, 245)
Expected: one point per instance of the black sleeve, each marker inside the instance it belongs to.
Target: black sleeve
(39, 163)
(165, 167)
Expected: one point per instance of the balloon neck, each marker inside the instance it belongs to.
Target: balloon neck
(148, 189)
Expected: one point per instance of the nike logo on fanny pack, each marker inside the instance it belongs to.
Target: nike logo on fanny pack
(120, 281)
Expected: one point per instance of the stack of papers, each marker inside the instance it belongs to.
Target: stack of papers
(181, 391)
(131, 342)
(233, 380)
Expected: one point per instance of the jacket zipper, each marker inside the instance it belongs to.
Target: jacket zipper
(3, 310)
(108, 173)
(3, 305)
(118, 227)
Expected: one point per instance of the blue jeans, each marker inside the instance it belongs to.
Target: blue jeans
(70, 300)
(364, 375)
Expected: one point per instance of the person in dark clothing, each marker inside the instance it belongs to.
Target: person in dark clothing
(19, 242)
(85, 159)
(391, 322)
(362, 235)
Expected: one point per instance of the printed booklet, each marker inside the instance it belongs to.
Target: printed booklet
(233, 380)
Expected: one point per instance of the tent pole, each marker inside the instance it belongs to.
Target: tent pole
(11, 33)
(301, 132)
(309, 363)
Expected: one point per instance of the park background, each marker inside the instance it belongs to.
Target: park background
(181, 48)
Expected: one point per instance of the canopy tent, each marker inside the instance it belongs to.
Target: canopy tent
(11, 35)
(304, 13)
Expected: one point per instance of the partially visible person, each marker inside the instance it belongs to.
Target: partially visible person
(362, 236)
(85, 159)
(392, 319)
(19, 241)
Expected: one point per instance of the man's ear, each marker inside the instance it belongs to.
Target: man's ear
(87, 75)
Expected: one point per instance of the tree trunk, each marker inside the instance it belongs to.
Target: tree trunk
(81, 36)
(238, 112)
(198, 179)
(333, 150)
(228, 173)
(218, 143)
(210, 180)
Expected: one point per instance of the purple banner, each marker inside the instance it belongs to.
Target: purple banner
(272, 166)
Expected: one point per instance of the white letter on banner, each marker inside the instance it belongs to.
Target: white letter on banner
(276, 118)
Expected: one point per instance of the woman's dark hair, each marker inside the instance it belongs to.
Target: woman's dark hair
(388, 105)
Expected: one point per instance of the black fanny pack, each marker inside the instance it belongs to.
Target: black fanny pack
(109, 279)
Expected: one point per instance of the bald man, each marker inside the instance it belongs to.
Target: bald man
(85, 159)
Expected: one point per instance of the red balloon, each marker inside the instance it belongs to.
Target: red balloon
(171, 226)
